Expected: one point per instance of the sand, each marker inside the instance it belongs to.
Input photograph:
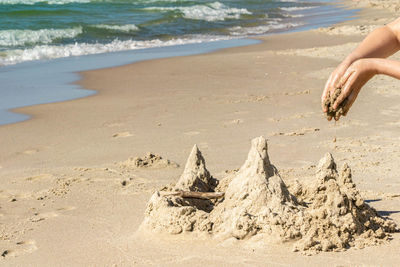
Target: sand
(328, 214)
(65, 200)
(149, 161)
(331, 99)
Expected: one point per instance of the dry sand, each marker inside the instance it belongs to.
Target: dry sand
(67, 196)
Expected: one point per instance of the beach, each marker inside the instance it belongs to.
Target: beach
(69, 195)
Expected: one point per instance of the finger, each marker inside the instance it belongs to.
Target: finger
(329, 118)
(339, 74)
(326, 88)
(344, 78)
(325, 93)
(334, 81)
(346, 90)
(350, 100)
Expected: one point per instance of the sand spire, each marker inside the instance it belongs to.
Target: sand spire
(195, 177)
(256, 199)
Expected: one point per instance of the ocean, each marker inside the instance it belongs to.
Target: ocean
(48, 29)
(45, 44)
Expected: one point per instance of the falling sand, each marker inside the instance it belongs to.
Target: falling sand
(330, 100)
(327, 214)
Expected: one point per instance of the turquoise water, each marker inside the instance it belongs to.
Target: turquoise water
(43, 44)
(37, 29)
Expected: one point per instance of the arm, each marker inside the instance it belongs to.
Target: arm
(387, 67)
(359, 73)
(380, 43)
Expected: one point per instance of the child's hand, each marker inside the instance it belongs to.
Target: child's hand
(333, 82)
(355, 77)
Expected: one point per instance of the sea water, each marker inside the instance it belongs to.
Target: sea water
(44, 43)
(46, 29)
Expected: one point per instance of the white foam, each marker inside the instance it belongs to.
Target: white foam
(210, 12)
(78, 49)
(43, 36)
(287, 15)
(120, 28)
(32, 2)
(290, 9)
(262, 29)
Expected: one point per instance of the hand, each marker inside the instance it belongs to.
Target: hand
(333, 82)
(355, 77)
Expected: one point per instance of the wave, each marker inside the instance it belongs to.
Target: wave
(120, 28)
(65, 2)
(297, 8)
(262, 29)
(43, 36)
(79, 49)
(210, 12)
(33, 2)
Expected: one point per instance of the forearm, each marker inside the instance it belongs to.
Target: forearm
(380, 43)
(386, 67)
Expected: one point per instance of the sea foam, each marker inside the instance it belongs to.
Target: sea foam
(32, 2)
(78, 49)
(210, 12)
(261, 29)
(120, 28)
(43, 36)
(297, 8)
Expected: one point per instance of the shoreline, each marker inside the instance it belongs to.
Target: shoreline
(69, 196)
(67, 74)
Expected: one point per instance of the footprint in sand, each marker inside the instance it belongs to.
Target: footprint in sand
(38, 217)
(113, 124)
(191, 133)
(30, 151)
(134, 185)
(122, 134)
(299, 132)
(392, 123)
(20, 248)
(241, 112)
(68, 208)
(14, 195)
(233, 122)
(392, 111)
(39, 177)
(132, 181)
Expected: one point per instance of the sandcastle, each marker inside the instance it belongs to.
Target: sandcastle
(325, 214)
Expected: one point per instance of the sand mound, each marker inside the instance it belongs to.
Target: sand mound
(337, 216)
(258, 206)
(257, 201)
(196, 177)
(149, 161)
(173, 214)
